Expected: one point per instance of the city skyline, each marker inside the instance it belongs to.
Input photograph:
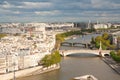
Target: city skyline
(59, 10)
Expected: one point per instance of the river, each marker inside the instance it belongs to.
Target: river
(78, 65)
(73, 66)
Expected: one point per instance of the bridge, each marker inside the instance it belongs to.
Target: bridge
(84, 51)
(72, 44)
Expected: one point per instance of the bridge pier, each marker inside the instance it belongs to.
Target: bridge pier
(86, 45)
(62, 53)
(72, 44)
(101, 54)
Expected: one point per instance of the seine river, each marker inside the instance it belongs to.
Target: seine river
(78, 65)
(73, 66)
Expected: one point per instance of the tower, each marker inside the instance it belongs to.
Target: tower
(89, 24)
(97, 22)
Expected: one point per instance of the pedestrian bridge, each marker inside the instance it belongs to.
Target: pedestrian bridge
(84, 51)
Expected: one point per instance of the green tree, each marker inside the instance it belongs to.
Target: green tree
(118, 52)
(115, 56)
(105, 40)
(104, 47)
(105, 36)
(59, 38)
(98, 39)
(45, 61)
(51, 59)
(57, 57)
(93, 40)
(97, 44)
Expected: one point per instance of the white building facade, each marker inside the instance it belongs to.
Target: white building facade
(29, 49)
(100, 26)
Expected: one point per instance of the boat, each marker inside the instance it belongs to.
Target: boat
(74, 38)
(85, 77)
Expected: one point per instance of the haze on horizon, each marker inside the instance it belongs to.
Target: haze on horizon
(59, 10)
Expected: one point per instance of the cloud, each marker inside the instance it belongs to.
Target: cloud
(3, 11)
(26, 5)
(105, 4)
(16, 12)
(8, 12)
(56, 10)
(100, 14)
(6, 5)
(78, 5)
(44, 13)
(30, 5)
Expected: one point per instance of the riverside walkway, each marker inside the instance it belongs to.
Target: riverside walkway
(88, 51)
(113, 64)
(28, 72)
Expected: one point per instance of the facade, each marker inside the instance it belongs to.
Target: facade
(118, 42)
(100, 26)
(116, 39)
(116, 25)
(26, 49)
(81, 25)
(10, 30)
(59, 26)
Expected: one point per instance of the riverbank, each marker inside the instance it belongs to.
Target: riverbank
(113, 64)
(44, 70)
(28, 72)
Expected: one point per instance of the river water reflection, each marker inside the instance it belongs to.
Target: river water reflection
(78, 65)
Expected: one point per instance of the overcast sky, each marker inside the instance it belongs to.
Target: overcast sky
(59, 10)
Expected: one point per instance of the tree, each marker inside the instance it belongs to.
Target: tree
(105, 40)
(57, 57)
(59, 38)
(105, 36)
(115, 56)
(97, 44)
(104, 47)
(98, 39)
(51, 59)
(118, 38)
(118, 52)
(93, 40)
(45, 61)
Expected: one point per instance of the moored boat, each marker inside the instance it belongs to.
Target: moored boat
(85, 77)
(74, 37)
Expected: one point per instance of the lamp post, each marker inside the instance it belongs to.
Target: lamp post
(100, 48)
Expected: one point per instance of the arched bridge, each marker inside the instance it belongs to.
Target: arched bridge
(75, 43)
(88, 51)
